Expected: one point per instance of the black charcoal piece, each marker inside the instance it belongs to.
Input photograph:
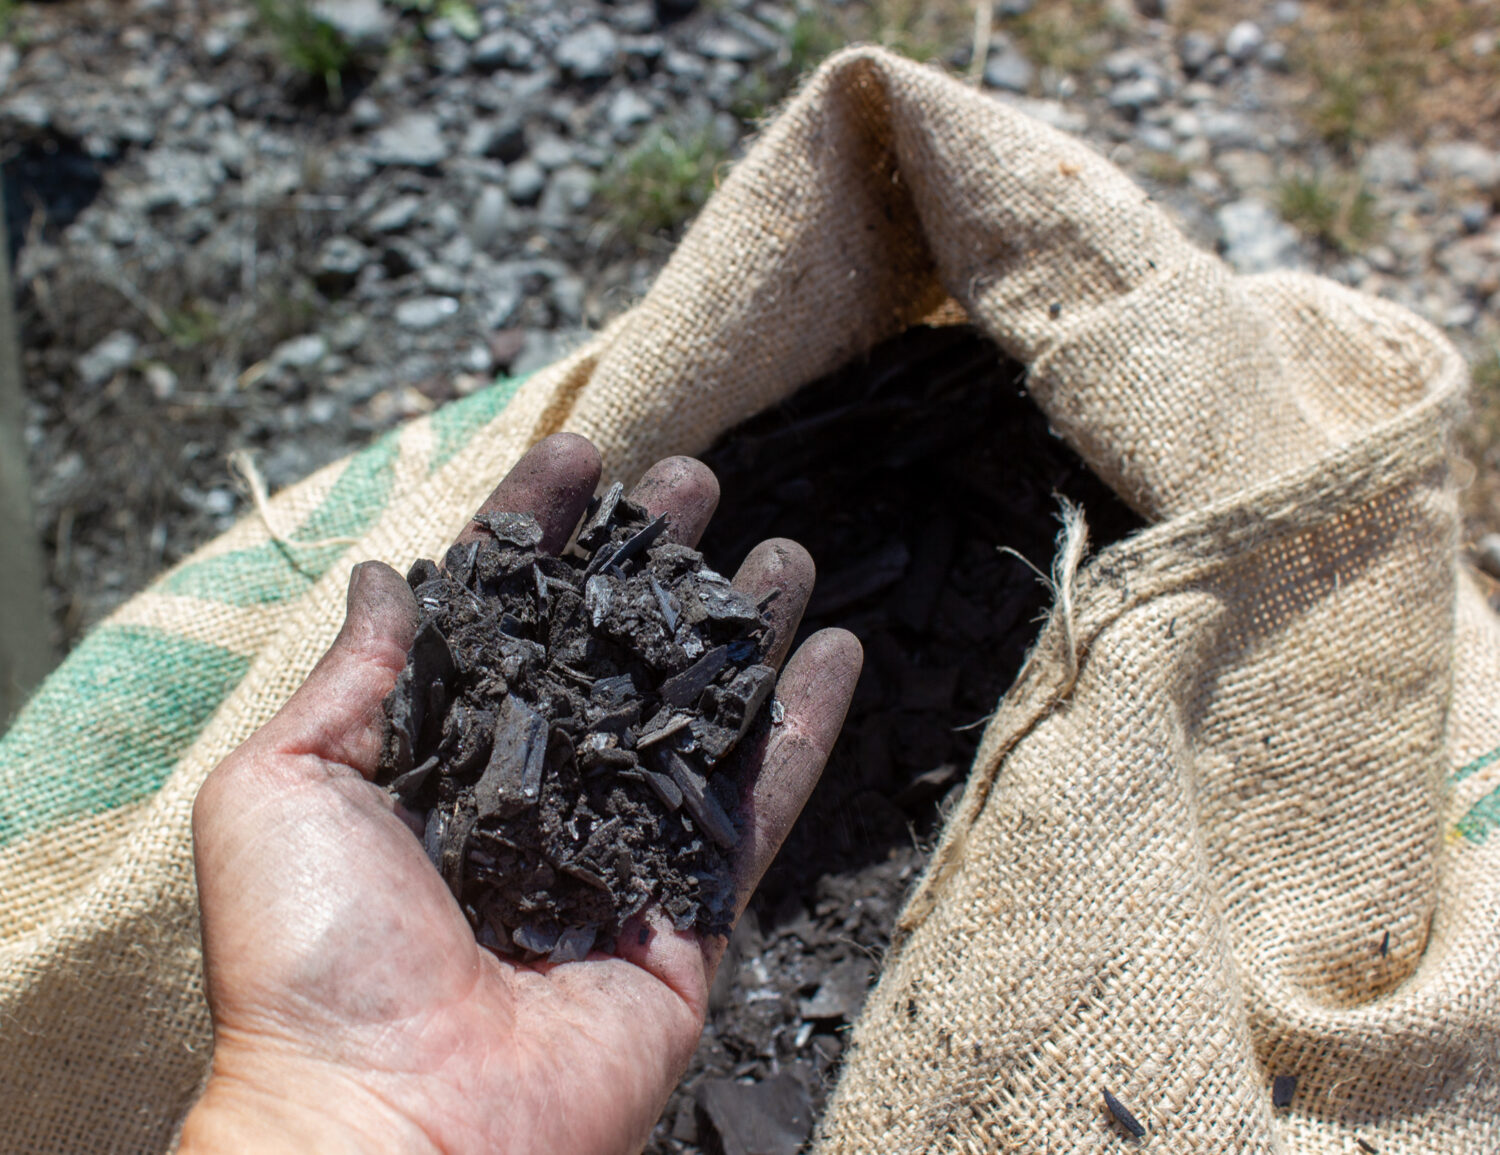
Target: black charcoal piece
(710, 601)
(421, 572)
(574, 944)
(714, 741)
(664, 788)
(513, 779)
(639, 540)
(740, 701)
(656, 733)
(435, 835)
(536, 939)
(407, 786)
(611, 693)
(684, 688)
(771, 1117)
(455, 844)
(697, 799)
(458, 562)
(664, 603)
(598, 596)
(1122, 1116)
(595, 530)
(521, 530)
(1283, 1090)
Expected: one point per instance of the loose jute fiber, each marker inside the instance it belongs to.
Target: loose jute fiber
(1233, 822)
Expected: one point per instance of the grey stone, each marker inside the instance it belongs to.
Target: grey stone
(1273, 55)
(499, 289)
(1131, 96)
(110, 356)
(1473, 215)
(347, 332)
(1156, 137)
(444, 279)
(724, 44)
(365, 113)
(1227, 129)
(567, 297)
(416, 140)
(525, 181)
(218, 43)
(627, 108)
(503, 140)
(1014, 7)
(684, 65)
(491, 217)
(341, 259)
(592, 53)
(568, 193)
(544, 346)
(304, 352)
(1256, 240)
(1390, 164)
(503, 48)
(422, 313)
(179, 177)
(1008, 69)
(636, 19)
(1285, 12)
(842, 992)
(361, 23)
(1246, 170)
(1465, 162)
(395, 216)
(1195, 50)
(1243, 41)
(553, 152)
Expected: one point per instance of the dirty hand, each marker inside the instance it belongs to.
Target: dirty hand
(352, 1008)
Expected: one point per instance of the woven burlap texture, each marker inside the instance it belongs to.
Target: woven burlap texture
(1249, 743)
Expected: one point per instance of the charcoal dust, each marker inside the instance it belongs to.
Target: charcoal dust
(565, 724)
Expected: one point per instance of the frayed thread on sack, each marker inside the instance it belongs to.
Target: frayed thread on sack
(243, 466)
(1072, 545)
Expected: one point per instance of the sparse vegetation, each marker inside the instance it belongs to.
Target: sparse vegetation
(662, 182)
(458, 13)
(307, 43)
(1067, 37)
(1337, 210)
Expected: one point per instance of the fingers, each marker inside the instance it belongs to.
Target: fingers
(814, 691)
(779, 564)
(685, 490)
(553, 480)
(336, 715)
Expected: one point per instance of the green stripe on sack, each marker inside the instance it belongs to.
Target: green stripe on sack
(1483, 816)
(455, 423)
(1474, 767)
(107, 727)
(276, 572)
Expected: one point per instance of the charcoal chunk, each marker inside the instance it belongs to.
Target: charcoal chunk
(698, 800)
(513, 779)
(681, 689)
(574, 944)
(521, 530)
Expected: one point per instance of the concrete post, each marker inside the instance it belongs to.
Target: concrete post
(26, 648)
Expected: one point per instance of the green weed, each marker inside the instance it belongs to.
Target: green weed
(458, 13)
(1337, 210)
(1065, 36)
(662, 182)
(307, 43)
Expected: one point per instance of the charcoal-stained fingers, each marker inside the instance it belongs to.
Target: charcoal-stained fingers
(685, 490)
(782, 566)
(553, 481)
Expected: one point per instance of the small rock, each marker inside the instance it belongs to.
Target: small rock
(348, 332)
(553, 152)
(592, 53)
(1243, 41)
(627, 108)
(503, 48)
(1131, 96)
(525, 181)
(1465, 162)
(1256, 240)
(491, 218)
(360, 23)
(1226, 129)
(416, 140)
(1390, 164)
(340, 262)
(182, 178)
(422, 313)
(1195, 50)
(110, 356)
(395, 216)
(544, 346)
(304, 352)
(1473, 215)
(161, 381)
(1285, 12)
(1008, 69)
(503, 140)
(569, 192)
(772, 1117)
(722, 44)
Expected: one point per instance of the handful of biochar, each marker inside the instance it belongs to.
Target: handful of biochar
(564, 723)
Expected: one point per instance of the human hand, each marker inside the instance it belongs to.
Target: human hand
(352, 1008)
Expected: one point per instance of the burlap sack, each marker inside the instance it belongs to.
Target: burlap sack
(1250, 744)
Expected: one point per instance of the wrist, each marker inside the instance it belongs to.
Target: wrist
(254, 1106)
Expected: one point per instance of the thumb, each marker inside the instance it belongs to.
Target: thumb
(337, 713)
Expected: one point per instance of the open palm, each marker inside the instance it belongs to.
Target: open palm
(352, 1008)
